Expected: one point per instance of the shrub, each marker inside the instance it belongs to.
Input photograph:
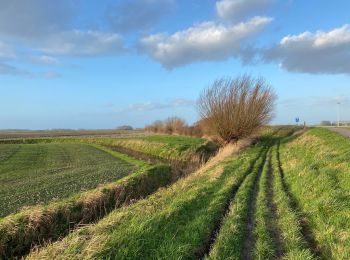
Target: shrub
(234, 108)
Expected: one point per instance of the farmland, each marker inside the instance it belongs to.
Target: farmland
(287, 196)
(31, 174)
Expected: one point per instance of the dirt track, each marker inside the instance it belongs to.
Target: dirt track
(343, 131)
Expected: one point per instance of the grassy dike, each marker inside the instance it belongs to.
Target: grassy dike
(231, 238)
(262, 222)
(19, 232)
(174, 223)
(320, 159)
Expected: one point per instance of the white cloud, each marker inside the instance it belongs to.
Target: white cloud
(81, 43)
(320, 52)
(204, 42)
(236, 10)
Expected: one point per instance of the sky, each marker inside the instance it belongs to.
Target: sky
(104, 63)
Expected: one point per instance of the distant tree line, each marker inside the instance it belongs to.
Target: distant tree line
(175, 125)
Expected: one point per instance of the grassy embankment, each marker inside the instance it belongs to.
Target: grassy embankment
(177, 222)
(18, 232)
(316, 167)
(51, 221)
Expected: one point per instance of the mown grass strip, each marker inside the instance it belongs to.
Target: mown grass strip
(230, 240)
(19, 232)
(316, 167)
(294, 243)
(174, 223)
(265, 245)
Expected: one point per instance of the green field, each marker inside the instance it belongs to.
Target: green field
(286, 197)
(38, 173)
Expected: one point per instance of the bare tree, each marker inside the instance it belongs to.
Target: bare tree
(156, 127)
(236, 108)
(174, 125)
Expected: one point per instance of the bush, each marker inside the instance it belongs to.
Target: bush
(236, 108)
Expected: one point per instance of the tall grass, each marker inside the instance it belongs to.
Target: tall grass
(316, 167)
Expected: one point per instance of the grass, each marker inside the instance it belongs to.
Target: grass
(34, 174)
(316, 167)
(19, 232)
(283, 198)
(265, 247)
(261, 222)
(166, 147)
(230, 241)
(174, 223)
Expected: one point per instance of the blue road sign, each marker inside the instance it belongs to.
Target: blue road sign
(297, 119)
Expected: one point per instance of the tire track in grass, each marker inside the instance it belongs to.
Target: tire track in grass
(204, 252)
(249, 243)
(306, 231)
(271, 220)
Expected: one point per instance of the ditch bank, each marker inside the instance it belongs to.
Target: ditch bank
(38, 225)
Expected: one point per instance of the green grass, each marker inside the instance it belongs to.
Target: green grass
(174, 139)
(174, 223)
(317, 168)
(34, 174)
(230, 241)
(268, 225)
(288, 218)
(287, 201)
(173, 148)
(264, 245)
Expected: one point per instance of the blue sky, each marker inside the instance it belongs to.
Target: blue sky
(101, 64)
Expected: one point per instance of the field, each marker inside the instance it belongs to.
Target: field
(31, 174)
(287, 196)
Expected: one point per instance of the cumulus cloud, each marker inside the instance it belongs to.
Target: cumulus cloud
(204, 42)
(81, 43)
(320, 52)
(149, 106)
(236, 10)
(135, 15)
